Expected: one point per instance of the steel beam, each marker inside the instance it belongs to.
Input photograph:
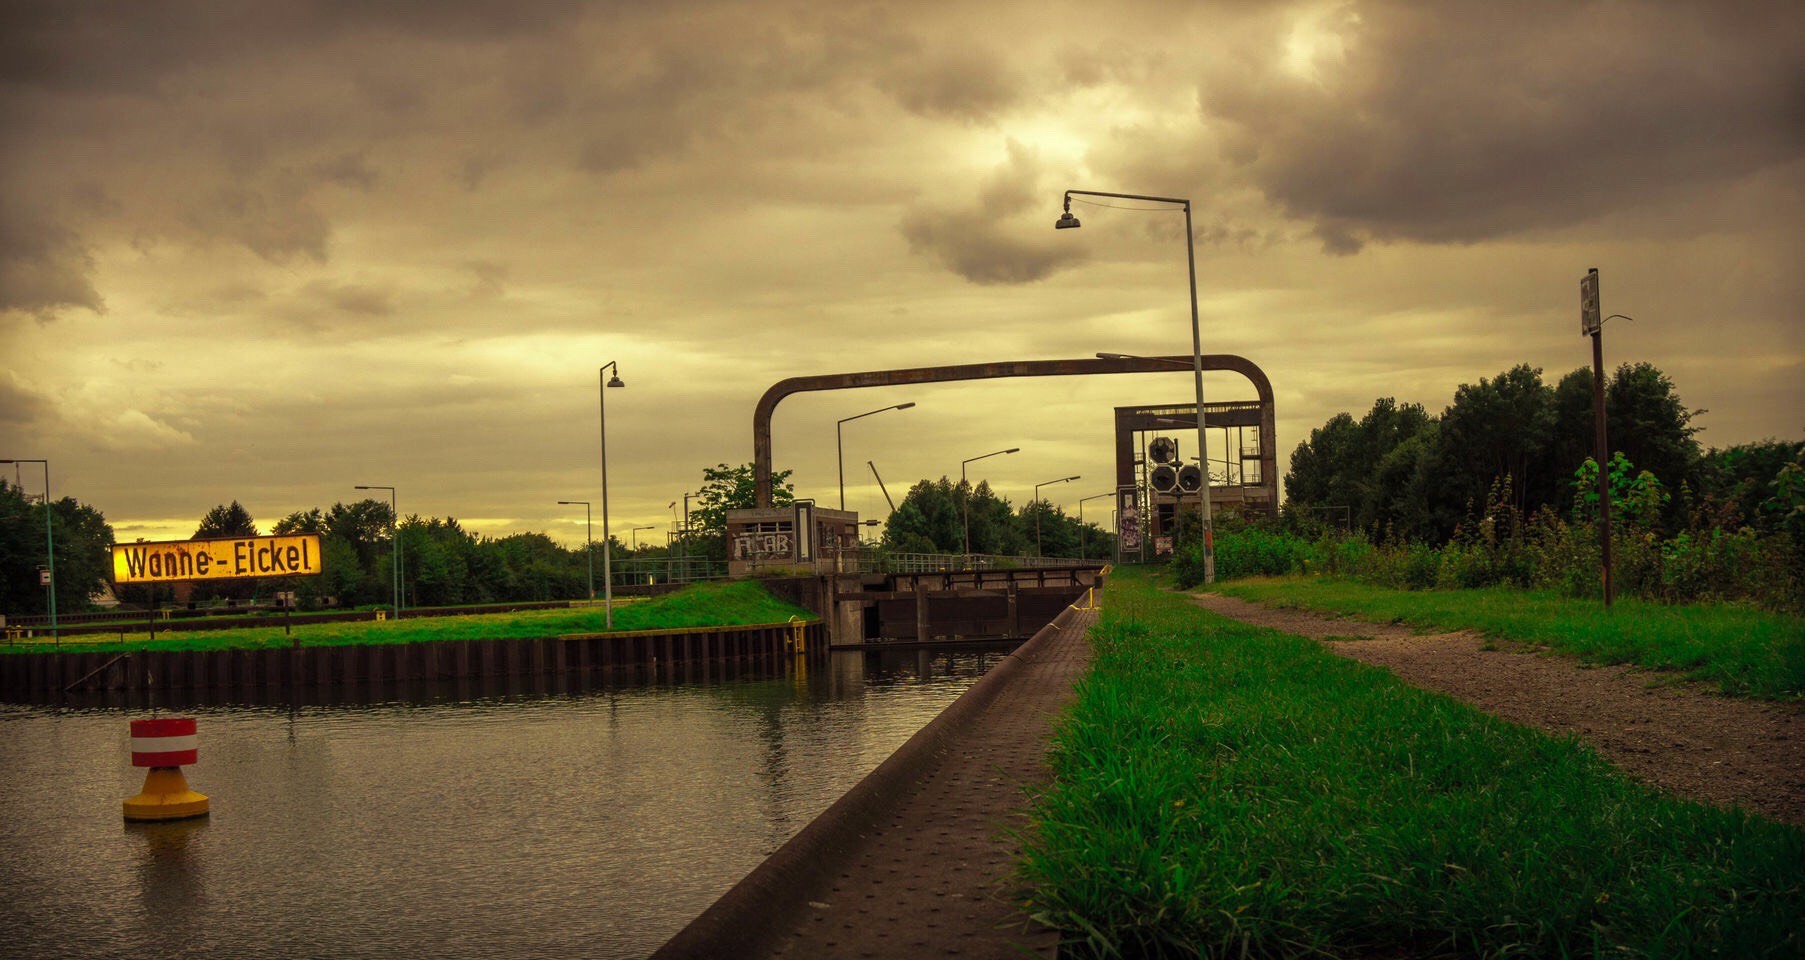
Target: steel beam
(767, 404)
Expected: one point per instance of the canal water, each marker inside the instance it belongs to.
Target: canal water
(583, 823)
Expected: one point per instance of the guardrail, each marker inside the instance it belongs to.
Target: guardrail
(651, 572)
(879, 562)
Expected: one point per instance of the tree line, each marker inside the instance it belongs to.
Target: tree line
(1402, 473)
(932, 518)
(1501, 488)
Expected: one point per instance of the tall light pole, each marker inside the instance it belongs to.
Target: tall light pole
(607, 560)
(394, 541)
(649, 526)
(1081, 530)
(588, 540)
(1068, 222)
(49, 544)
(1037, 509)
(840, 451)
(962, 463)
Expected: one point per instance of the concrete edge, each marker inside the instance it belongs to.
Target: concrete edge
(751, 916)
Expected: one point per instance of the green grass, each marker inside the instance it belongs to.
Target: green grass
(1226, 790)
(698, 605)
(1745, 651)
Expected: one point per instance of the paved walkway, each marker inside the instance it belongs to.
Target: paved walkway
(916, 860)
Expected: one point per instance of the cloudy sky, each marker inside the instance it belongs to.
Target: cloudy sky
(265, 251)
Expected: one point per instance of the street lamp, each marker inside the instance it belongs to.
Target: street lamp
(589, 540)
(1066, 222)
(649, 526)
(1037, 510)
(1081, 530)
(49, 544)
(607, 560)
(394, 540)
(962, 464)
(839, 450)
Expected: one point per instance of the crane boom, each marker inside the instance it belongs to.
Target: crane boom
(880, 485)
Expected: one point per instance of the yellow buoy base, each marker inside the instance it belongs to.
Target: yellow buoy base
(165, 797)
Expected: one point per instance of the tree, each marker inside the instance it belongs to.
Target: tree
(223, 521)
(727, 488)
(1740, 478)
(308, 521)
(21, 552)
(84, 554)
(1340, 464)
(1572, 440)
(929, 519)
(226, 521)
(1646, 421)
(83, 546)
(1498, 428)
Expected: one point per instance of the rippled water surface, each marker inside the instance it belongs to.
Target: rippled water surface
(582, 824)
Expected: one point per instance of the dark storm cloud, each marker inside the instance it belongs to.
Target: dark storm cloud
(984, 243)
(43, 265)
(128, 47)
(19, 406)
(969, 84)
(1458, 122)
(278, 223)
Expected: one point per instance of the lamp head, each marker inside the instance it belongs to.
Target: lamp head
(1013, 450)
(614, 381)
(1066, 222)
(905, 406)
(1113, 356)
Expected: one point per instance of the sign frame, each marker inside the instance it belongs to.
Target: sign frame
(221, 558)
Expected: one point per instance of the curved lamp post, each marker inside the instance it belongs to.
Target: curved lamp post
(49, 544)
(1067, 222)
(607, 561)
(649, 526)
(1037, 511)
(839, 450)
(1081, 530)
(589, 540)
(962, 464)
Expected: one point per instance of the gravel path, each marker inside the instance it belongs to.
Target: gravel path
(1679, 736)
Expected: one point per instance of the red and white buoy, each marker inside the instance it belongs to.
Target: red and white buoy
(165, 746)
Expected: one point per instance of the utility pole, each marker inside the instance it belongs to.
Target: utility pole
(1591, 323)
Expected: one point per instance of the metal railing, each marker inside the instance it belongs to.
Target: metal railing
(876, 561)
(667, 570)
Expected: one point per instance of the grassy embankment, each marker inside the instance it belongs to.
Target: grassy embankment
(1745, 651)
(698, 605)
(1225, 789)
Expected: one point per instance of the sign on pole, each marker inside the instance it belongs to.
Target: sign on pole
(1589, 319)
(228, 559)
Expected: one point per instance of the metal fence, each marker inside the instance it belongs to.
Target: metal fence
(878, 561)
(667, 570)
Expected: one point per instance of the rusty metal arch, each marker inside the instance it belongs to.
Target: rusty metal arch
(767, 404)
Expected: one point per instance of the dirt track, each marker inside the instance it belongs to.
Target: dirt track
(1679, 736)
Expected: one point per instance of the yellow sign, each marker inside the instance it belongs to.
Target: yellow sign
(295, 556)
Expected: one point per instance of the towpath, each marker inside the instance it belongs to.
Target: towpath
(1680, 736)
(916, 860)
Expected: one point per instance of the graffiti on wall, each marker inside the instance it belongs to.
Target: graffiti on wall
(764, 541)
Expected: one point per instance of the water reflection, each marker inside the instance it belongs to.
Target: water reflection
(171, 887)
(534, 817)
